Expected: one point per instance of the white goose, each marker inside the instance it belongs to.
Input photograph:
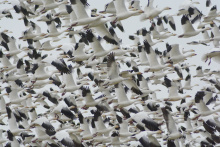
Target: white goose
(203, 109)
(171, 126)
(89, 100)
(152, 58)
(53, 32)
(142, 56)
(123, 100)
(122, 12)
(151, 12)
(173, 91)
(113, 71)
(69, 84)
(82, 17)
(109, 8)
(51, 4)
(96, 45)
(160, 35)
(101, 128)
(79, 53)
(176, 56)
(214, 54)
(187, 84)
(206, 39)
(13, 126)
(212, 15)
(183, 8)
(47, 46)
(188, 30)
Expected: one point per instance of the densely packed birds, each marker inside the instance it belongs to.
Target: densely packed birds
(71, 78)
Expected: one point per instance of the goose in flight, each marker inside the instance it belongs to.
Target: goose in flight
(171, 125)
(176, 56)
(122, 12)
(151, 12)
(173, 91)
(82, 16)
(188, 30)
(152, 58)
(113, 71)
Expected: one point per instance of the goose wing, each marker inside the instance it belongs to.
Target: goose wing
(186, 25)
(113, 71)
(120, 6)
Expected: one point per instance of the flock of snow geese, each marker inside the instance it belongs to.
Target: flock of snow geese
(79, 83)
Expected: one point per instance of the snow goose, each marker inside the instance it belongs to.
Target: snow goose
(176, 56)
(198, 23)
(47, 46)
(65, 138)
(147, 36)
(123, 100)
(123, 128)
(69, 84)
(171, 126)
(2, 139)
(187, 84)
(51, 4)
(160, 26)
(151, 12)
(169, 19)
(160, 35)
(152, 58)
(89, 100)
(10, 45)
(122, 12)
(109, 8)
(79, 55)
(41, 72)
(206, 39)
(101, 128)
(183, 8)
(86, 133)
(212, 14)
(203, 109)
(31, 34)
(64, 10)
(199, 72)
(214, 54)
(6, 63)
(143, 57)
(113, 71)
(173, 91)
(13, 140)
(82, 17)
(99, 51)
(115, 139)
(188, 30)
(12, 122)
(53, 32)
